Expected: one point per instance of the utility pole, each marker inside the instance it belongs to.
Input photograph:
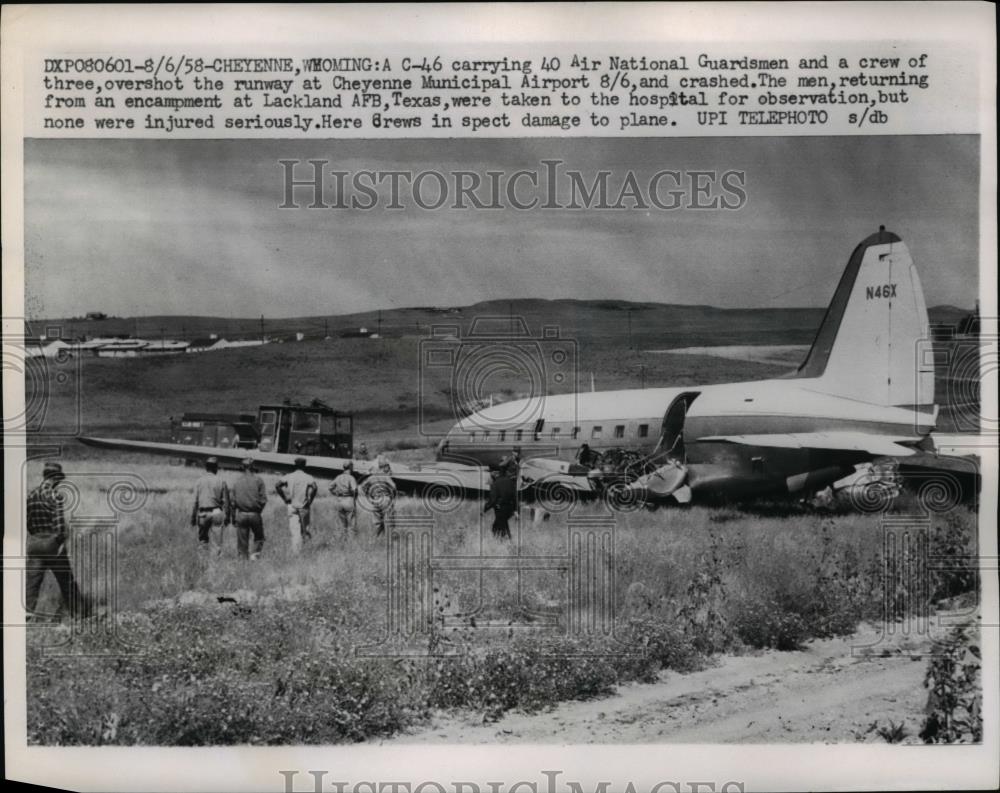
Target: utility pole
(261, 328)
(380, 323)
(629, 313)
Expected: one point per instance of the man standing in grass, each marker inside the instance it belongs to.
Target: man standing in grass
(211, 507)
(503, 501)
(46, 545)
(345, 491)
(298, 490)
(381, 491)
(248, 502)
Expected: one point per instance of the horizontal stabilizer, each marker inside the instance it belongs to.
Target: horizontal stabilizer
(967, 464)
(877, 445)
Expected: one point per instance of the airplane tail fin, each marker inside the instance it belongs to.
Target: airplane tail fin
(868, 346)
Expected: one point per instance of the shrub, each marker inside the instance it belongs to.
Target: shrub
(766, 624)
(664, 643)
(955, 701)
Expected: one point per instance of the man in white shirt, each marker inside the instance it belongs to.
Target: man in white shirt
(297, 490)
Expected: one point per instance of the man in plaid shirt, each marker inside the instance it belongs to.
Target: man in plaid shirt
(47, 544)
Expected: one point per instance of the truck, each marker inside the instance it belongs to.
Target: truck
(313, 429)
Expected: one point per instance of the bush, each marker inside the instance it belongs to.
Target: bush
(955, 702)
(665, 644)
(953, 551)
(766, 624)
(528, 676)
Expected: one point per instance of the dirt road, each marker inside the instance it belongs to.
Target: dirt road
(823, 693)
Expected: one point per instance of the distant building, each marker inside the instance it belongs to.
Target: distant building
(224, 344)
(205, 344)
(120, 348)
(89, 345)
(96, 315)
(163, 347)
(132, 348)
(57, 348)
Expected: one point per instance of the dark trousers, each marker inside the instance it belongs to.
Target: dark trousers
(207, 520)
(248, 523)
(501, 528)
(382, 517)
(48, 552)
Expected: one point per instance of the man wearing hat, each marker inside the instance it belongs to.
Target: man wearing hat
(297, 490)
(46, 544)
(211, 506)
(502, 500)
(381, 491)
(587, 457)
(345, 492)
(248, 502)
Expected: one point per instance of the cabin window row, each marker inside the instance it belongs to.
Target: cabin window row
(556, 433)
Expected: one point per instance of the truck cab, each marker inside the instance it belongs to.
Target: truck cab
(315, 429)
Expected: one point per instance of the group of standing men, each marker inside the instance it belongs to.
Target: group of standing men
(216, 506)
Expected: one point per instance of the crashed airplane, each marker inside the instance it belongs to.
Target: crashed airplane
(861, 394)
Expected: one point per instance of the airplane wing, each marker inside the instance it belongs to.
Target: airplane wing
(228, 457)
(441, 480)
(878, 445)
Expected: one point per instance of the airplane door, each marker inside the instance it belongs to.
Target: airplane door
(672, 430)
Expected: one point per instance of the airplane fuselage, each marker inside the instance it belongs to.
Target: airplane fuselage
(682, 421)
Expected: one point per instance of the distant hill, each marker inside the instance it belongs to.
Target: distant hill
(643, 322)
(389, 384)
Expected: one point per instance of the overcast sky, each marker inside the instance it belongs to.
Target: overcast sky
(193, 227)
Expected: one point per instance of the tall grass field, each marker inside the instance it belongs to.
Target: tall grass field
(189, 649)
